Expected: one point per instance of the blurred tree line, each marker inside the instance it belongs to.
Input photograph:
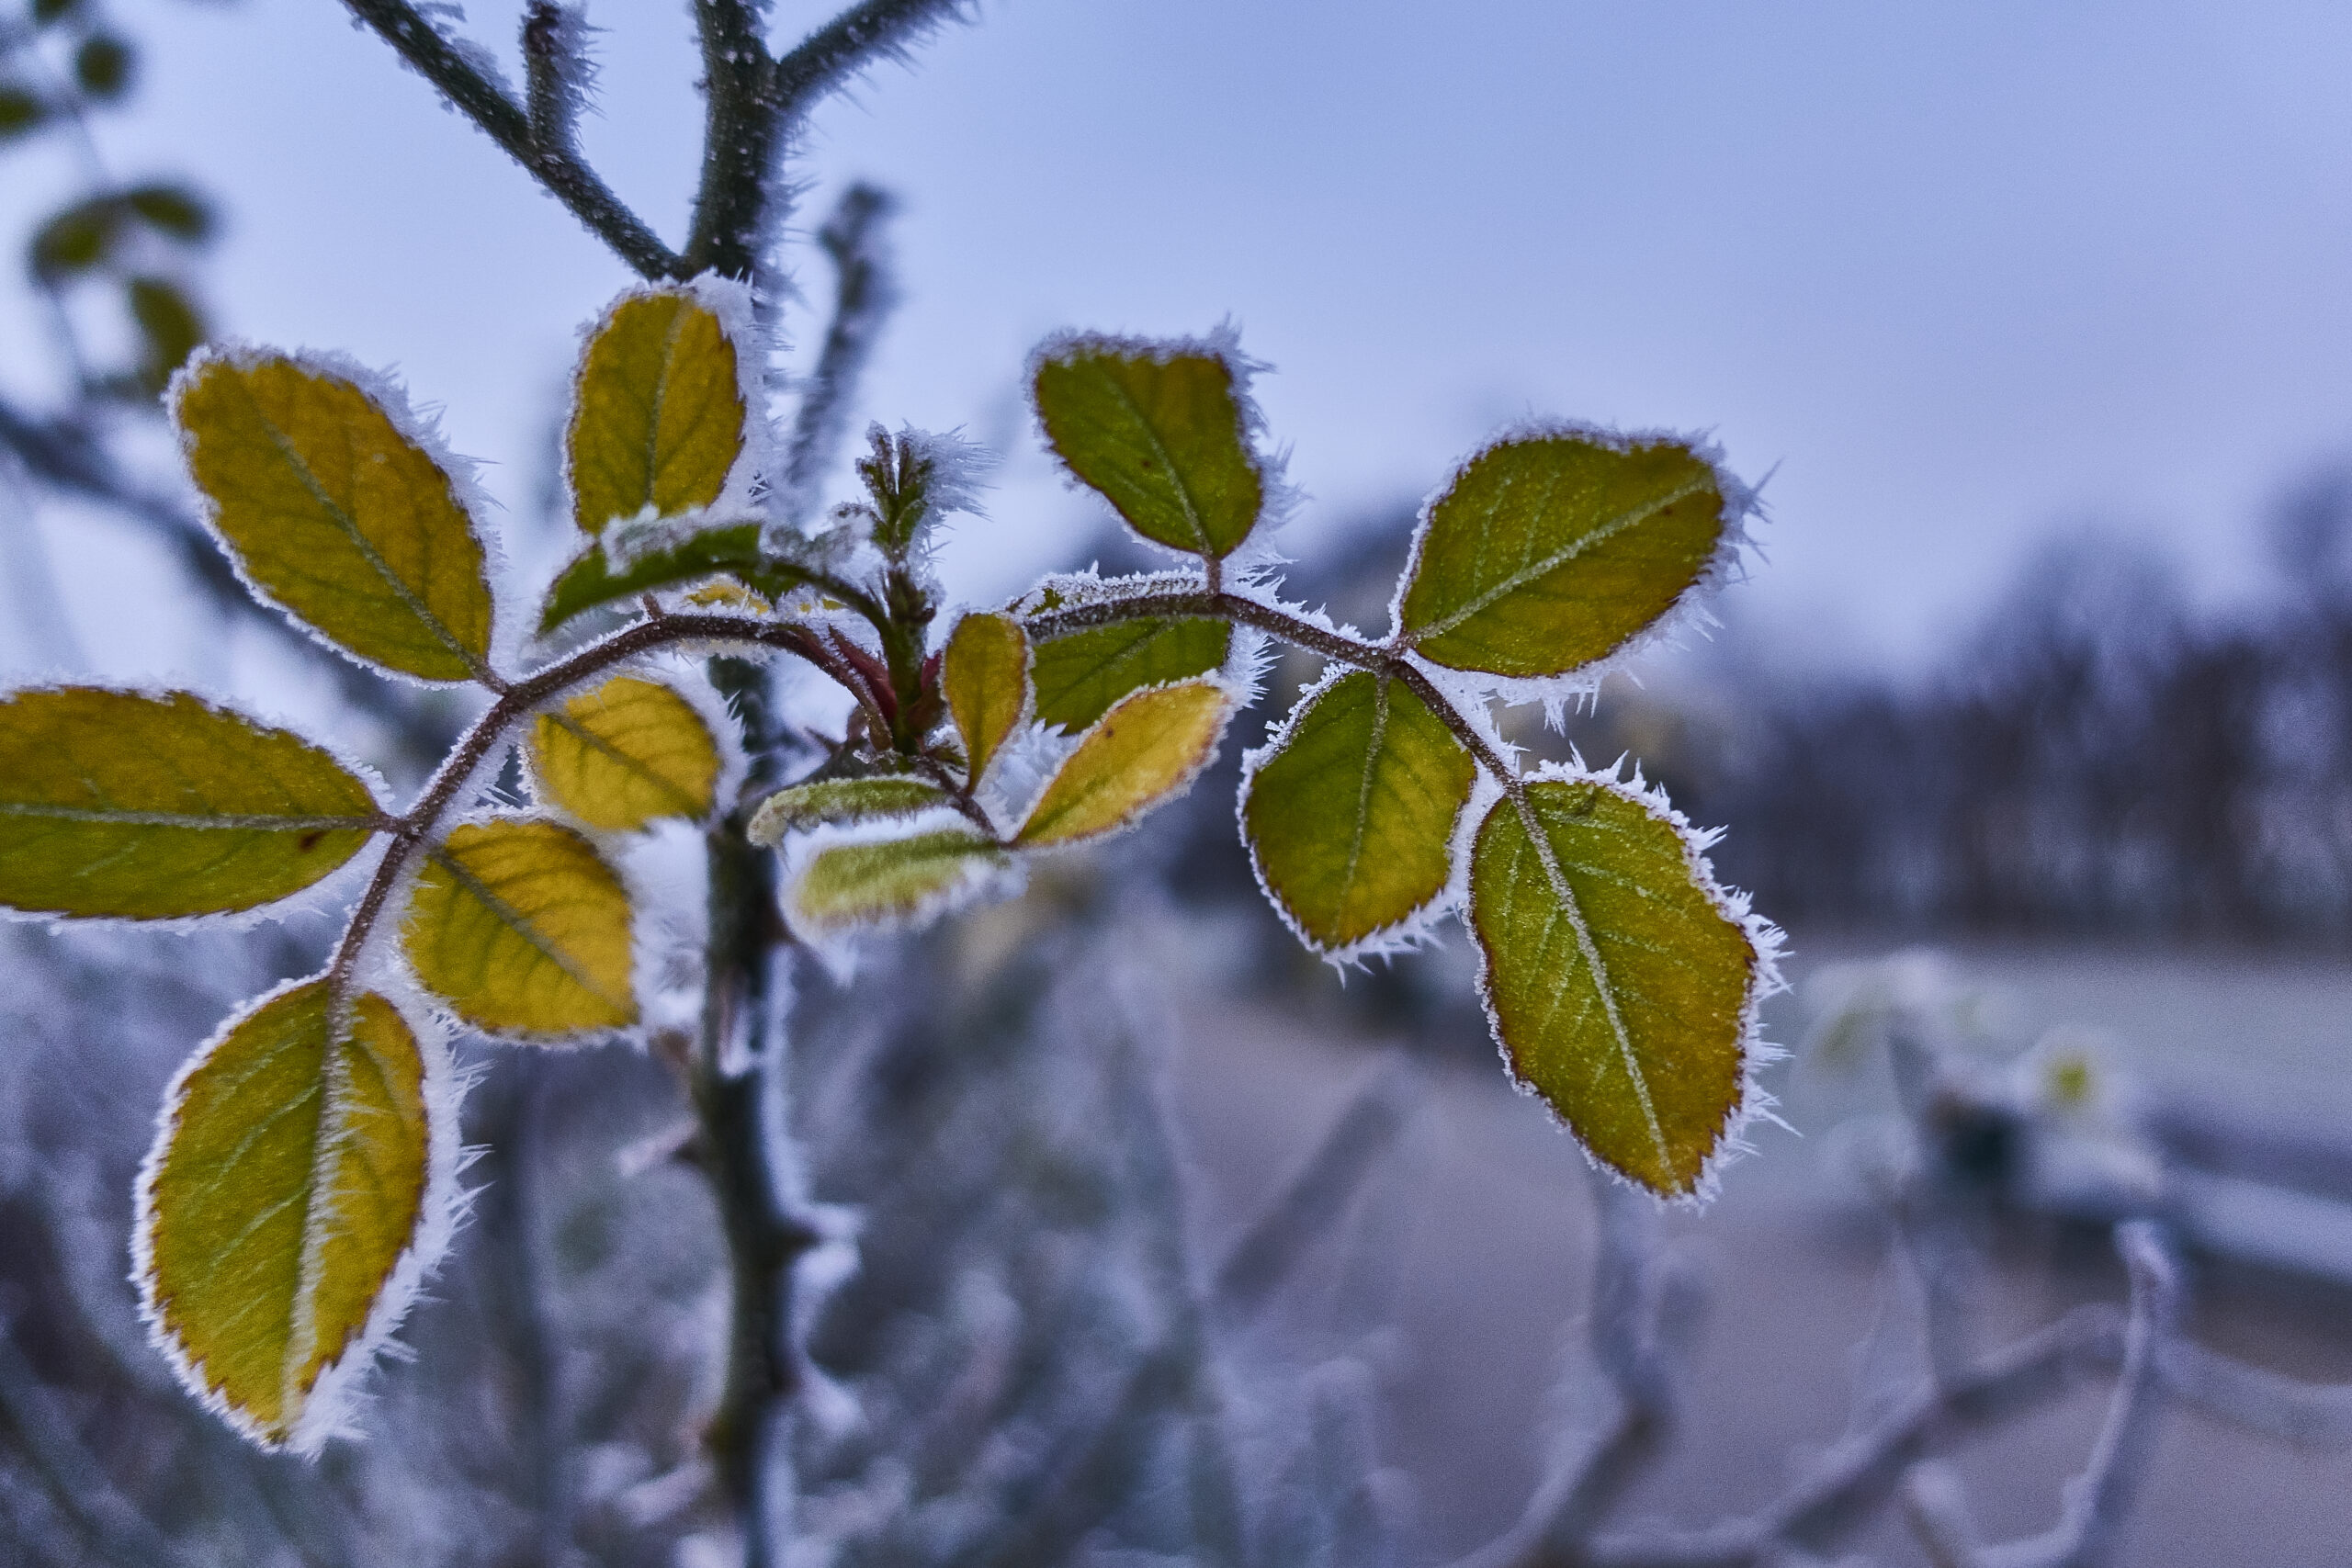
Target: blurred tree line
(2096, 759)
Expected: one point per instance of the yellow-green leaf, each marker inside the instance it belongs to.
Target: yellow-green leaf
(1617, 980)
(290, 1174)
(142, 807)
(805, 805)
(1158, 430)
(1549, 551)
(985, 676)
(625, 754)
(590, 579)
(889, 880)
(1349, 815)
(1079, 677)
(334, 512)
(656, 415)
(520, 926)
(1147, 748)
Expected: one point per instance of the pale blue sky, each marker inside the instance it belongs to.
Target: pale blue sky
(1956, 272)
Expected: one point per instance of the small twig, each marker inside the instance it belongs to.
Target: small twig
(1861, 1473)
(864, 293)
(553, 71)
(508, 123)
(877, 30)
(1315, 1197)
(413, 831)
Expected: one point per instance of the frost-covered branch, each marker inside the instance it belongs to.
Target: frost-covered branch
(742, 121)
(440, 62)
(861, 36)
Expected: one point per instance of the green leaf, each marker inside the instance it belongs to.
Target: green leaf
(1549, 551)
(590, 579)
(291, 1175)
(625, 754)
(521, 927)
(170, 209)
(890, 880)
(335, 513)
(21, 112)
(806, 805)
(114, 804)
(985, 676)
(1617, 980)
(1158, 431)
(1079, 677)
(1145, 749)
(103, 65)
(169, 324)
(1350, 815)
(76, 240)
(657, 416)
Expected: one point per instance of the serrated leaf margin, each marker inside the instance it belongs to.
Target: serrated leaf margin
(1765, 942)
(1741, 502)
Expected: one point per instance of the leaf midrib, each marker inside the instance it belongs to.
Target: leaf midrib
(1603, 986)
(520, 924)
(1175, 477)
(382, 568)
(1513, 582)
(686, 804)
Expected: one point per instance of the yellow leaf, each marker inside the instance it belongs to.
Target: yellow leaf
(291, 1175)
(729, 596)
(519, 926)
(625, 753)
(335, 513)
(985, 676)
(657, 415)
(1144, 750)
(149, 807)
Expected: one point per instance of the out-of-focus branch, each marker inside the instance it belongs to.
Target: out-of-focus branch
(1594, 1473)
(863, 294)
(2095, 1502)
(2309, 1415)
(1859, 1474)
(1313, 1200)
(74, 1481)
(551, 163)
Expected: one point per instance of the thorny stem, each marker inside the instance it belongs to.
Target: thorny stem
(741, 123)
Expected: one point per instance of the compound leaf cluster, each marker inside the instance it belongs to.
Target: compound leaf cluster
(304, 1167)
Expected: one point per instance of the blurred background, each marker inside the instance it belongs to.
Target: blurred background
(2033, 728)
